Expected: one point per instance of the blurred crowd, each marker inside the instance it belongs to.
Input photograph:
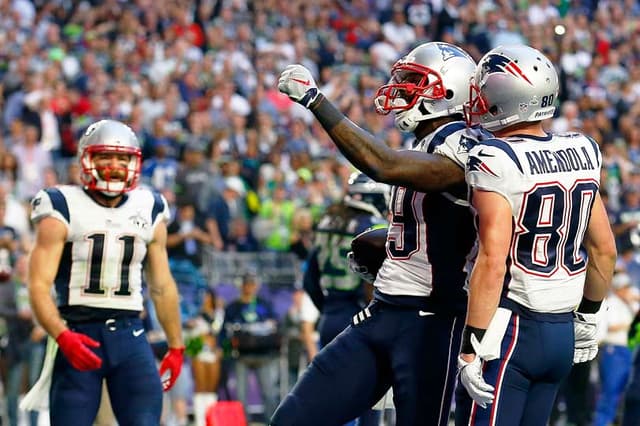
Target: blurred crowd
(243, 167)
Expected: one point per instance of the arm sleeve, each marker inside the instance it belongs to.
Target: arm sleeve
(50, 202)
(160, 212)
(490, 168)
(454, 142)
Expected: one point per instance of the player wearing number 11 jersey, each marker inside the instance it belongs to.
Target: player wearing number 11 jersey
(92, 243)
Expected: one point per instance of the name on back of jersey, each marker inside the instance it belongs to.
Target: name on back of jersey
(558, 161)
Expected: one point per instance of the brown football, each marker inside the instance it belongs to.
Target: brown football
(369, 249)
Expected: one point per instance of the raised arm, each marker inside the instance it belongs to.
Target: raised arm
(414, 169)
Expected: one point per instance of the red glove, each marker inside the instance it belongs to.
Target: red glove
(75, 346)
(172, 362)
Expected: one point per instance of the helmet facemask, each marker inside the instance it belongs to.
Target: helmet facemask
(409, 83)
(476, 105)
(429, 82)
(109, 180)
(410, 88)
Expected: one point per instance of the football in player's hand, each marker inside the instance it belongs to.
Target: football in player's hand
(368, 249)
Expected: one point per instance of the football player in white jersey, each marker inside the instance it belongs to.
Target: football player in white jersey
(92, 242)
(545, 246)
(409, 336)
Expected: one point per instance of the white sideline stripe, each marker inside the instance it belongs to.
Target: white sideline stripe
(446, 378)
(500, 378)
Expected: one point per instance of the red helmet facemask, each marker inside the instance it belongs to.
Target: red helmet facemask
(110, 180)
(476, 105)
(409, 82)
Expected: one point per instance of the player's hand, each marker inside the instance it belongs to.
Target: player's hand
(585, 327)
(76, 348)
(172, 363)
(297, 83)
(361, 271)
(471, 377)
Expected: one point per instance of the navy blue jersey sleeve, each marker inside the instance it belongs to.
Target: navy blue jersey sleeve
(311, 280)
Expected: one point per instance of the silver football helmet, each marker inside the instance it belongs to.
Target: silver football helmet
(367, 194)
(430, 81)
(512, 84)
(109, 137)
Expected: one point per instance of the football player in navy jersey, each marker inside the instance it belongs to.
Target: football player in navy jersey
(545, 246)
(337, 292)
(409, 336)
(92, 243)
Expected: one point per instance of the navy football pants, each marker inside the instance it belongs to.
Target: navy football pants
(129, 367)
(390, 345)
(535, 357)
(331, 324)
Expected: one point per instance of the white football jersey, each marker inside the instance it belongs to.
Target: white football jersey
(416, 242)
(102, 261)
(551, 183)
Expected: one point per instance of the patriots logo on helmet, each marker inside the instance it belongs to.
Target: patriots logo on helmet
(476, 164)
(496, 63)
(448, 51)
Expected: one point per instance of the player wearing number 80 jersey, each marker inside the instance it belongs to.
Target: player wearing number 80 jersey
(550, 183)
(92, 243)
(544, 243)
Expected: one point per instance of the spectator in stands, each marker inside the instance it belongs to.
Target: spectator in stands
(185, 240)
(160, 170)
(302, 233)
(206, 356)
(628, 217)
(629, 257)
(33, 160)
(193, 172)
(276, 214)
(25, 351)
(252, 337)
(301, 336)
(224, 208)
(186, 237)
(631, 410)
(241, 237)
(615, 355)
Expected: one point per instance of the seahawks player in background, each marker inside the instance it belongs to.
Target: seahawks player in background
(410, 335)
(337, 292)
(92, 243)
